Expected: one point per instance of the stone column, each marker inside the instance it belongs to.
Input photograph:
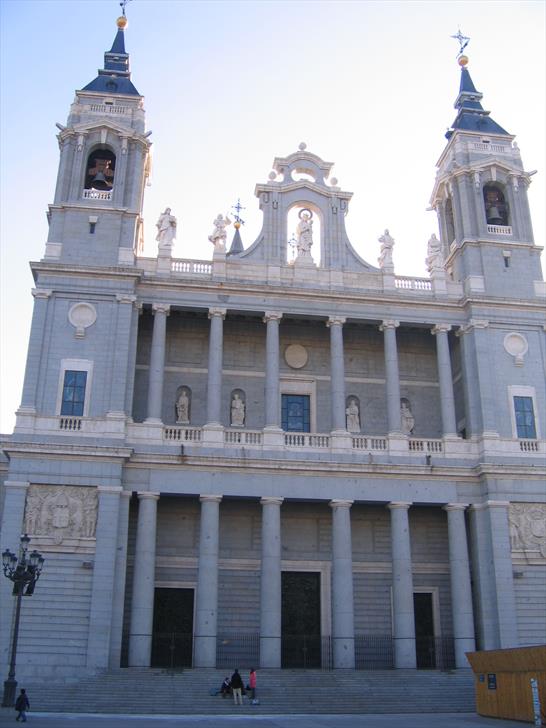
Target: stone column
(157, 363)
(272, 406)
(342, 586)
(447, 401)
(206, 610)
(120, 367)
(270, 589)
(104, 571)
(392, 376)
(11, 528)
(119, 580)
(214, 384)
(131, 366)
(337, 373)
(142, 604)
(34, 355)
(402, 587)
(461, 589)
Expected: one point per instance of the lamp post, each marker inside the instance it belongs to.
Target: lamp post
(24, 573)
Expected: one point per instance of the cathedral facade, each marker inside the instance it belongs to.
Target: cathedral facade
(260, 460)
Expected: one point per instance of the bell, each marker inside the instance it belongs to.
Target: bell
(100, 182)
(493, 216)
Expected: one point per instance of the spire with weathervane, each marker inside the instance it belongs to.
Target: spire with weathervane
(237, 243)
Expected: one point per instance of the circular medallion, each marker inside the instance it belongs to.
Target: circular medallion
(296, 356)
(516, 345)
(81, 316)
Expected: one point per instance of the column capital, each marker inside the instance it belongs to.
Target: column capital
(125, 298)
(146, 495)
(489, 504)
(471, 325)
(161, 308)
(16, 484)
(335, 320)
(339, 503)
(440, 329)
(455, 507)
(389, 324)
(272, 316)
(221, 312)
(210, 498)
(41, 292)
(109, 489)
(402, 505)
(271, 501)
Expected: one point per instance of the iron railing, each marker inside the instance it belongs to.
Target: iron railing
(172, 650)
(435, 653)
(374, 652)
(306, 652)
(237, 649)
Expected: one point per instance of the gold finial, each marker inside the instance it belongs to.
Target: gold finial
(121, 22)
(236, 225)
(462, 61)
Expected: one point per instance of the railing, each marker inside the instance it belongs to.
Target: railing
(172, 650)
(109, 109)
(499, 229)
(70, 423)
(182, 434)
(374, 652)
(497, 148)
(528, 446)
(369, 443)
(242, 437)
(237, 648)
(304, 651)
(97, 194)
(428, 446)
(435, 653)
(200, 267)
(304, 439)
(413, 284)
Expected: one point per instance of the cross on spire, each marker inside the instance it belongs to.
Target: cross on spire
(122, 5)
(463, 41)
(238, 207)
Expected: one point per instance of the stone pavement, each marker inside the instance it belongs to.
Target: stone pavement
(415, 720)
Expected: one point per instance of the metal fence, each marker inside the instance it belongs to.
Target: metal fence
(435, 653)
(237, 649)
(172, 650)
(374, 652)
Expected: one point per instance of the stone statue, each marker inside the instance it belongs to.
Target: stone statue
(407, 420)
(166, 229)
(183, 408)
(353, 416)
(435, 258)
(237, 411)
(304, 232)
(385, 255)
(218, 237)
(60, 512)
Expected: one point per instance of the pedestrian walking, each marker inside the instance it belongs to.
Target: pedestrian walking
(22, 705)
(252, 685)
(236, 687)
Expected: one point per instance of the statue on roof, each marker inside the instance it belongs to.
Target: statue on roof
(166, 229)
(218, 236)
(304, 232)
(385, 255)
(435, 258)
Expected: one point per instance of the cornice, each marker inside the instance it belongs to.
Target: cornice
(65, 450)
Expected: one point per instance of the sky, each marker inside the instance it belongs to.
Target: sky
(230, 85)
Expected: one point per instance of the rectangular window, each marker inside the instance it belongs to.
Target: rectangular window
(525, 417)
(73, 397)
(296, 410)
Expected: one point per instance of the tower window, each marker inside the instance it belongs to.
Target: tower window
(496, 209)
(525, 417)
(73, 397)
(100, 171)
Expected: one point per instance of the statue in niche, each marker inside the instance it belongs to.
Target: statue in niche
(183, 408)
(237, 411)
(385, 255)
(435, 258)
(407, 420)
(352, 414)
(219, 234)
(304, 232)
(166, 229)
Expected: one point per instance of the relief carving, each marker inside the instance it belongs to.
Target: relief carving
(528, 527)
(60, 512)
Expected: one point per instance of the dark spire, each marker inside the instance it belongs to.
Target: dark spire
(237, 242)
(471, 115)
(115, 77)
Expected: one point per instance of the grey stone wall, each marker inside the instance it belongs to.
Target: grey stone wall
(530, 591)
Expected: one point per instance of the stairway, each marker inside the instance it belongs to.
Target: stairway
(139, 691)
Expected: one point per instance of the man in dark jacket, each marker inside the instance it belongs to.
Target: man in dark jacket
(22, 705)
(236, 688)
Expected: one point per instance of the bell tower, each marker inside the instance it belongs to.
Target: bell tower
(480, 196)
(95, 218)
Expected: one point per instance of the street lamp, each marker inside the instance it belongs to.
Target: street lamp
(24, 572)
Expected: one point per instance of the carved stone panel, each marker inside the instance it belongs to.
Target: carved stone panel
(60, 512)
(528, 529)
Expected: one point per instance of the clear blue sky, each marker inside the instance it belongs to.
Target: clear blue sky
(369, 86)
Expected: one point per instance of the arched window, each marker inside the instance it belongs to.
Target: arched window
(100, 170)
(496, 208)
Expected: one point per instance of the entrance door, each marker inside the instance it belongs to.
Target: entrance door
(296, 412)
(301, 638)
(173, 628)
(424, 630)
